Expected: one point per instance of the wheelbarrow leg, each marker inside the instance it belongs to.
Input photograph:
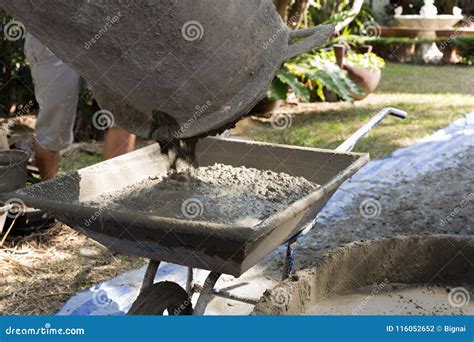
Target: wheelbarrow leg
(150, 274)
(206, 293)
(190, 281)
(289, 258)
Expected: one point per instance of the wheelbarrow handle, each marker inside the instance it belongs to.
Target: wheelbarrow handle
(349, 144)
(310, 38)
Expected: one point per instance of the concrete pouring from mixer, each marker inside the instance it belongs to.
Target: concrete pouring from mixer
(160, 60)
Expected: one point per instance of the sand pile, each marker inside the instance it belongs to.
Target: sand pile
(218, 193)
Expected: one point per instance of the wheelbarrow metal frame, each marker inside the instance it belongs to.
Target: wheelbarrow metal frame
(208, 291)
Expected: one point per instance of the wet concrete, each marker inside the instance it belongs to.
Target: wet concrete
(219, 193)
(392, 299)
(399, 275)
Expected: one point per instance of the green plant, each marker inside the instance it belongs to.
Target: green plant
(365, 60)
(336, 11)
(388, 47)
(465, 46)
(311, 74)
(16, 86)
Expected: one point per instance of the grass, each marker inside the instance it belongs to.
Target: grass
(433, 97)
(78, 161)
(420, 79)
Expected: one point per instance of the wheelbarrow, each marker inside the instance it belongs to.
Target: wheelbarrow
(219, 248)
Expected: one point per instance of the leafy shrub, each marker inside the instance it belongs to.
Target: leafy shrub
(335, 11)
(309, 75)
(385, 45)
(368, 61)
(16, 86)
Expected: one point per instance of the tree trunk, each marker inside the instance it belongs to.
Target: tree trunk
(282, 8)
(296, 13)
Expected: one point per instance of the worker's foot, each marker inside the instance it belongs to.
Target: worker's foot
(47, 162)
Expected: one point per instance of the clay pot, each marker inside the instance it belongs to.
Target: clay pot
(366, 79)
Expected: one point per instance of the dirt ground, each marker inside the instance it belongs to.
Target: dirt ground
(38, 273)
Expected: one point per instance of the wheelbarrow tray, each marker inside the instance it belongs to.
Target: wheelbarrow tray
(205, 245)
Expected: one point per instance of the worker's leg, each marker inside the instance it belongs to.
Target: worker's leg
(47, 162)
(117, 141)
(56, 91)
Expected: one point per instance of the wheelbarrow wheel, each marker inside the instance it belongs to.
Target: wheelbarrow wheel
(165, 295)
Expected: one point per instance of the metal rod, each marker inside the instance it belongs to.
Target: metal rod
(228, 295)
(189, 281)
(349, 144)
(206, 293)
(289, 258)
(150, 274)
